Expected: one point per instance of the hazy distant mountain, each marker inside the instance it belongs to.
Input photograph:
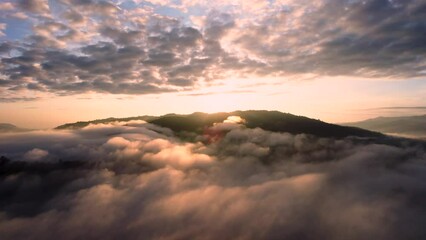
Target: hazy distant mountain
(414, 126)
(267, 120)
(7, 127)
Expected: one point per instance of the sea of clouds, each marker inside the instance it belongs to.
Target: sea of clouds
(135, 180)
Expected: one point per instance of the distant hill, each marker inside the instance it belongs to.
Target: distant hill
(414, 126)
(267, 120)
(7, 127)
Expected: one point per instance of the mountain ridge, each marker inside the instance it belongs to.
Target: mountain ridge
(8, 127)
(414, 126)
(268, 120)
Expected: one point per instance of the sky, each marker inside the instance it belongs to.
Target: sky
(334, 60)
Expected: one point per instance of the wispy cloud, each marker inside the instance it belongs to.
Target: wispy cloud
(216, 92)
(18, 99)
(399, 107)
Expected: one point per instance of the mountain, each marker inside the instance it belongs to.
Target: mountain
(7, 127)
(409, 126)
(268, 120)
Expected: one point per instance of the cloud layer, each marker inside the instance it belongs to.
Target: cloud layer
(137, 180)
(144, 47)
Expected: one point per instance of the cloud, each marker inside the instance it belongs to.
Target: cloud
(137, 180)
(360, 38)
(399, 107)
(17, 99)
(6, 6)
(34, 6)
(35, 154)
(234, 119)
(2, 28)
(169, 60)
(104, 46)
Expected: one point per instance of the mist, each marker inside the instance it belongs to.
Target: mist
(135, 180)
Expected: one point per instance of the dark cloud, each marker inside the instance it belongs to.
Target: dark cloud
(18, 99)
(217, 24)
(181, 82)
(136, 180)
(5, 47)
(73, 17)
(363, 38)
(34, 6)
(97, 7)
(121, 37)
